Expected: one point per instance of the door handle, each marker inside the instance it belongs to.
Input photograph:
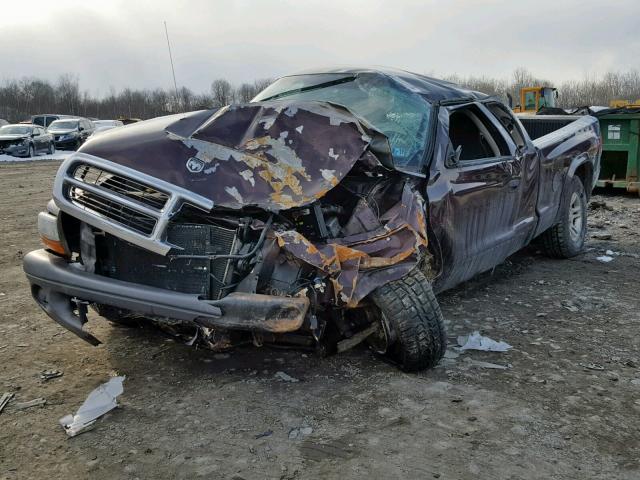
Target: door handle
(514, 183)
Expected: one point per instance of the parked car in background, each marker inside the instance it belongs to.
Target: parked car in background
(70, 133)
(25, 140)
(46, 119)
(102, 125)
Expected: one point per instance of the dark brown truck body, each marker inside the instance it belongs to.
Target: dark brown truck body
(283, 219)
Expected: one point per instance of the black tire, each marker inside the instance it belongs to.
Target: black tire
(115, 315)
(566, 238)
(414, 322)
(52, 149)
(32, 151)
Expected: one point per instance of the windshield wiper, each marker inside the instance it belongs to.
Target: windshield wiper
(310, 87)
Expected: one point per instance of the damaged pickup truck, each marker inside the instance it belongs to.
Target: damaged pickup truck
(324, 213)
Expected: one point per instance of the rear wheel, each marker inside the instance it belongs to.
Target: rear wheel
(415, 336)
(566, 238)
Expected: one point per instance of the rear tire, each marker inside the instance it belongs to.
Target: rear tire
(410, 313)
(566, 238)
(115, 315)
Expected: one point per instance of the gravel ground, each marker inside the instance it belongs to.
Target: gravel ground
(566, 407)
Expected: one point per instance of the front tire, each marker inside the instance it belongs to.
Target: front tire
(566, 238)
(410, 313)
(32, 152)
(52, 149)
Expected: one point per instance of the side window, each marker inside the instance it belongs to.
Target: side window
(475, 135)
(508, 122)
(530, 100)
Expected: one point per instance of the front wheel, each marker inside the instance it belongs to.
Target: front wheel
(32, 151)
(566, 238)
(52, 149)
(412, 321)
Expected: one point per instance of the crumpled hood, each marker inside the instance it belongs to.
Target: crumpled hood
(275, 155)
(20, 136)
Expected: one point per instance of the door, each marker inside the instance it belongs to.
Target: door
(39, 140)
(480, 196)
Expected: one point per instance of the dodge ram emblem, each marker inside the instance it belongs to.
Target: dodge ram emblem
(195, 165)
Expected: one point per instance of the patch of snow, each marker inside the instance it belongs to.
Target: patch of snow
(58, 155)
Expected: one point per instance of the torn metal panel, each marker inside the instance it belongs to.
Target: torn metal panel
(378, 256)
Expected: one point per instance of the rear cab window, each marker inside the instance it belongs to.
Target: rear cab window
(508, 121)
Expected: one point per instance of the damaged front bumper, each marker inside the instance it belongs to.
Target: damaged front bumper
(61, 289)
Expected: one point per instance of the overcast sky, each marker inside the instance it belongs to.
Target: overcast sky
(121, 43)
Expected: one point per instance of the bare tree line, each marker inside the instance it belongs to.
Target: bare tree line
(20, 98)
(588, 91)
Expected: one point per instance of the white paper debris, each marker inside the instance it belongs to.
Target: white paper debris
(99, 402)
(475, 341)
(604, 258)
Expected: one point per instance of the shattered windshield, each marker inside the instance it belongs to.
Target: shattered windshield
(398, 113)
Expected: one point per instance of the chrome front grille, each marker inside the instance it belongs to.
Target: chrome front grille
(113, 210)
(119, 200)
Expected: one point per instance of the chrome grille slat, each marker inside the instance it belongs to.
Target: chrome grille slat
(124, 186)
(116, 212)
(119, 200)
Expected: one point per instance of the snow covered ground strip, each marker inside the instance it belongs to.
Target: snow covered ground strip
(58, 155)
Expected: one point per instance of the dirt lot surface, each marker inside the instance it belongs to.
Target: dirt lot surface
(567, 406)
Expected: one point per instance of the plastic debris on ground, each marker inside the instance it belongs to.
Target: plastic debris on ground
(100, 401)
(299, 432)
(604, 258)
(49, 374)
(480, 364)
(6, 397)
(285, 378)
(475, 341)
(36, 402)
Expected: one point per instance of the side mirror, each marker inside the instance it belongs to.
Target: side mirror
(80, 129)
(454, 157)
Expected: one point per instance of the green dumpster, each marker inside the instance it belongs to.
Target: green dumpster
(620, 151)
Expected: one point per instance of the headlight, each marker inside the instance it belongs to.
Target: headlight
(50, 233)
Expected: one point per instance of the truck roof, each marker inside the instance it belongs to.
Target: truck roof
(432, 89)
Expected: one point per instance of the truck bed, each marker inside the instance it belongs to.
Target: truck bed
(540, 125)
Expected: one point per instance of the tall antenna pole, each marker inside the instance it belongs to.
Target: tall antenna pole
(175, 84)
